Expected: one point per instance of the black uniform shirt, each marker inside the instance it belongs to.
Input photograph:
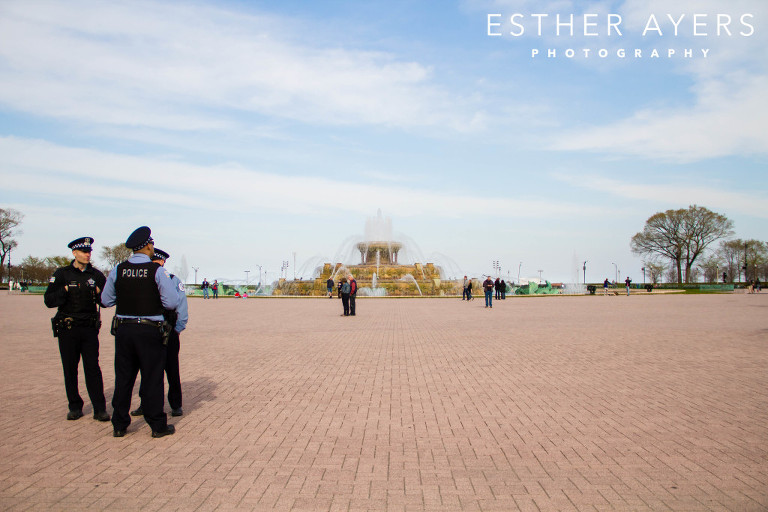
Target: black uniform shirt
(81, 299)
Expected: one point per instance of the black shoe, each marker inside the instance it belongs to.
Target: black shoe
(177, 412)
(137, 412)
(169, 431)
(101, 416)
(74, 415)
(118, 433)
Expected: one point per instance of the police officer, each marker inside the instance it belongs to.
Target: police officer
(75, 290)
(142, 290)
(179, 320)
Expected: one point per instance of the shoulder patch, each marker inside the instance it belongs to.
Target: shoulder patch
(52, 279)
(167, 274)
(181, 286)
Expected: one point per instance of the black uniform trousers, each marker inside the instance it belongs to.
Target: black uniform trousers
(139, 348)
(74, 343)
(352, 297)
(171, 371)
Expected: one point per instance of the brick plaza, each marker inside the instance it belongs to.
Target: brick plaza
(589, 403)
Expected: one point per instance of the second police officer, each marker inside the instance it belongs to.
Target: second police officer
(178, 319)
(75, 290)
(141, 290)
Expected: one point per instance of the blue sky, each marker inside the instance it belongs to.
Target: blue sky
(244, 132)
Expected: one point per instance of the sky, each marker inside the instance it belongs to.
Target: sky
(247, 134)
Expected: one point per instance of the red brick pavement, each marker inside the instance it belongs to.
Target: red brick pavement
(553, 403)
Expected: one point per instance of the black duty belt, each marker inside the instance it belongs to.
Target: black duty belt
(139, 321)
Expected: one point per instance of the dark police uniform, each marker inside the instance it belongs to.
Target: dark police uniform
(76, 325)
(178, 319)
(141, 290)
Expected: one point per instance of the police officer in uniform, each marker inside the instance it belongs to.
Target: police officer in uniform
(76, 290)
(179, 320)
(141, 290)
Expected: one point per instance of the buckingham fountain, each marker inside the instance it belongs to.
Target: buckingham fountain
(382, 264)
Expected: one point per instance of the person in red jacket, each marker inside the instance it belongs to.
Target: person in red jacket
(352, 294)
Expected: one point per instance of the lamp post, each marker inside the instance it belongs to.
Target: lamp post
(246, 279)
(518, 272)
(617, 272)
(540, 271)
(644, 277)
(585, 271)
(497, 267)
(283, 269)
(259, 276)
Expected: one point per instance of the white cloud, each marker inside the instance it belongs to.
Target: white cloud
(681, 196)
(39, 167)
(141, 63)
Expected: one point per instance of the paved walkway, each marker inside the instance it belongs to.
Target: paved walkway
(552, 403)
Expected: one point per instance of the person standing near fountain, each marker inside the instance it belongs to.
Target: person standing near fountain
(352, 294)
(605, 287)
(329, 285)
(464, 293)
(205, 286)
(503, 290)
(344, 289)
(215, 288)
(488, 288)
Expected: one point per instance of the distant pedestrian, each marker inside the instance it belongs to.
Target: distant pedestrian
(345, 288)
(628, 282)
(352, 294)
(497, 288)
(205, 287)
(464, 291)
(329, 285)
(215, 288)
(503, 290)
(606, 283)
(488, 289)
(469, 290)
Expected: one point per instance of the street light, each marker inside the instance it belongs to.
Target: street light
(259, 274)
(246, 278)
(518, 272)
(540, 271)
(644, 277)
(617, 272)
(497, 267)
(585, 271)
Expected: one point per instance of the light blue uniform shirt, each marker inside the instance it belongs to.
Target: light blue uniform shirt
(169, 295)
(182, 311)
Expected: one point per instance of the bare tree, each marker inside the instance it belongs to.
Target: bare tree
(710, 267)
(115, 255)
(655, 271)
(9, 221)
(681, 236)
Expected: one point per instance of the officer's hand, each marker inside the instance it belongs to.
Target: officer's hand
(98, 290)
(66, 287)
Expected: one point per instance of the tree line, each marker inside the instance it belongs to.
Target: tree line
(678, 246)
